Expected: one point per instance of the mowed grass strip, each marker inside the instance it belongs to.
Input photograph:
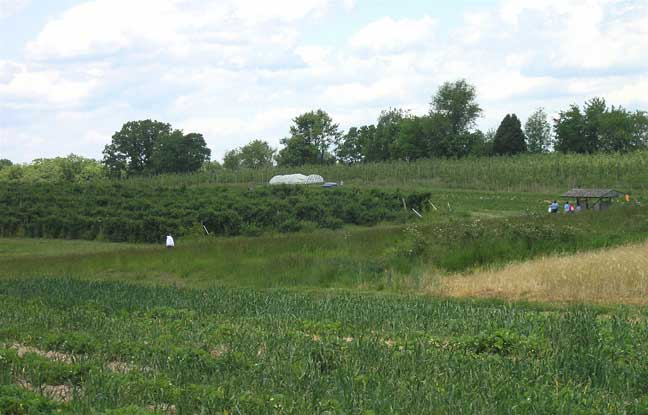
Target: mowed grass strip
(612, 276)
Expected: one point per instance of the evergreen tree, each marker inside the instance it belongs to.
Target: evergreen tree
(509, 138)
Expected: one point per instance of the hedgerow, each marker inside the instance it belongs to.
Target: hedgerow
(136, 212)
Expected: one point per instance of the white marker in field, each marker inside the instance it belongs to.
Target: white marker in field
(169, 241)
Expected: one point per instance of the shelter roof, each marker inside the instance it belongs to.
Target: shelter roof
(592, 193)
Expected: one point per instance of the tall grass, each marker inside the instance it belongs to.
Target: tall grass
(383, 257)
(612, 276)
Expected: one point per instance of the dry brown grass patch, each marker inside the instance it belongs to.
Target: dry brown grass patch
(614, 276)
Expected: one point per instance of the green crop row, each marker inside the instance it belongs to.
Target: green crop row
(142, 213)
(239, 351)
(543, 173)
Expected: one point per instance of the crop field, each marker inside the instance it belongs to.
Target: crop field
(69, 346)
(361, 318)
(543, 173)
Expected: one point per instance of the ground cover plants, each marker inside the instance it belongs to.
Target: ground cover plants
(396, 257)
(118, 212)
(305, 300)
(222, 350)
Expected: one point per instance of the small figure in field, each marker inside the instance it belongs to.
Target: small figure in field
(566, 207)
(578, 207)
(553, 208)
(170, 243)
(572, 208)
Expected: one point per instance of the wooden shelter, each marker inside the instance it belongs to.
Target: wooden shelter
(597, 199)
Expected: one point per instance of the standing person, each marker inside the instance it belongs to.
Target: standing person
(566, 207)
(170, 243)
(554, 207)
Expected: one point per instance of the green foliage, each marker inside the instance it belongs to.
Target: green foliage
(457, 102)
(71, 168)
(232, 350)
(132, 147)
(380, 145)
(538, 132)
(18, 401)
(138, 212)
(256, 154)
(599, 128)
(179, 153)
(152, 147)
(509, 138)
(311, 137)
(5, 163)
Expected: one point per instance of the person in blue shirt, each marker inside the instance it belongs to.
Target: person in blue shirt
(567, 207)
(554, 207)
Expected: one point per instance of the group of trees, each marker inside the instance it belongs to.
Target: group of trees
(449, 130)
(598, 127)
(153, 147)
(149, 147)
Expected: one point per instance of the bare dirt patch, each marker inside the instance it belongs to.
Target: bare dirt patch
(22, 350)
(59, 393)
(218, 351)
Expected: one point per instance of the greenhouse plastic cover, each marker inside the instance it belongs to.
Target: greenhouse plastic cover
(297, 179)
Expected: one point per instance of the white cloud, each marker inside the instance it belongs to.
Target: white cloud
(389, 35)
(239, 70)
(12, 7)
(41, 87)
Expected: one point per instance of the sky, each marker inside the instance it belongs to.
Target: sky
(72, 72)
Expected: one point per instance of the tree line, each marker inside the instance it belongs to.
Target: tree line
(448, 130)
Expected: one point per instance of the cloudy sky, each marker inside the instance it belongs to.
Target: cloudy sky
(73, 71)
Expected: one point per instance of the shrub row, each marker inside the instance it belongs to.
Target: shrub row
(135, 212)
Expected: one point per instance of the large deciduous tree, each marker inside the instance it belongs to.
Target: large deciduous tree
(253, 155)
(457, 101)
(569, 129)
(132, 147)
(380, 146)
(179, 153)
(311, 137)
(538, 132)
(509, 138)
(151, 147)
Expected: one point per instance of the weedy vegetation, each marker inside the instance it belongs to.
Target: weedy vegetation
(338, 301)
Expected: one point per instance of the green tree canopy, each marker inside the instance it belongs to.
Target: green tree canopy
(380, 145)
(5, 163)
(569, 128)
(253, 155)
(457, 101)
(179, 153)
(538, 132)
(312, 136)
(297, 151)
(355, 143)
(509, 138)
(151, 147)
